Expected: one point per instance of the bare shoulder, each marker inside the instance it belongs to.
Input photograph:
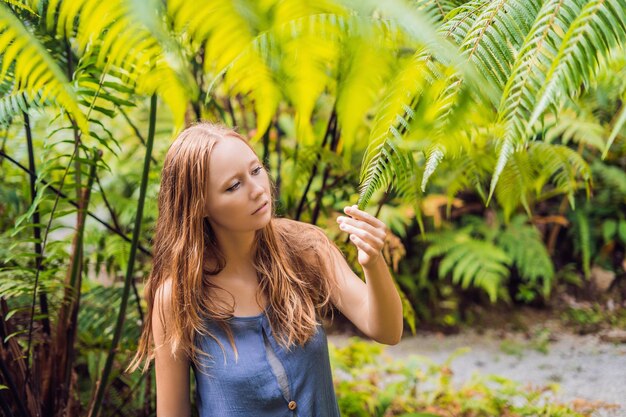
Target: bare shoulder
(162, 305)
(306, 233)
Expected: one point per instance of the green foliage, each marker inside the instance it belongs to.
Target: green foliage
(467, 99)
(483, 256)
(523, 243)
(416, 386)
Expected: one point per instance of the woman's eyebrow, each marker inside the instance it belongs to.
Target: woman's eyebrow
(239, 174)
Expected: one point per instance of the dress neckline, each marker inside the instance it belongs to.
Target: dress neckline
(248, 318)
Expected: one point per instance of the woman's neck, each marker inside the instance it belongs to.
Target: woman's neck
(236, 247)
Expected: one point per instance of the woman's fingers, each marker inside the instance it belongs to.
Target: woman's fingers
(359, 224)
(371, 239)
(364, 246)
(354, 212)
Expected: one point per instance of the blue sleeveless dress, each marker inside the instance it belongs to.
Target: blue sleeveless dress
(266, 380)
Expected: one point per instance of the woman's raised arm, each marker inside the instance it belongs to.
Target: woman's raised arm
(374, 306)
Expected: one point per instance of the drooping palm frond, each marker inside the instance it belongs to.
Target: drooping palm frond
(600, 26)
(128, 37)
(495, 35)
(516, 183)
(382, 159)
(34, 71)
(243, 50)
(577, 125)
(552, 63)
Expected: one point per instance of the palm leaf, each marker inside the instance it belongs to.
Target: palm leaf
(496, 34)
(515, 184)
(529, 69)
(35, 72)
(394, 116)
(128, 37)
(598, 28)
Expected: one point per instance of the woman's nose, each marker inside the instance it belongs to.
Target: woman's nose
(257, 190)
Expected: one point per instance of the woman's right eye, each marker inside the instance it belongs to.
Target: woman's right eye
(234, 187)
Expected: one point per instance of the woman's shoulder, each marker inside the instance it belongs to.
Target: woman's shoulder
(309, 241)
(301, 230)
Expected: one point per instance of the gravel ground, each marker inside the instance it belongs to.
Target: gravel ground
(583, 366)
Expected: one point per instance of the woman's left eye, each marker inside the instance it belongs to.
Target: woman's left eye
(256, 170)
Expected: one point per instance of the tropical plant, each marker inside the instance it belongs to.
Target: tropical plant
(484, 256)
(370, 383)
(407, 91)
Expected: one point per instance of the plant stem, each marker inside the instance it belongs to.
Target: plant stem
(279, 157)
(134, 127)
(320, 195)
(59, 193)
(102, 384)
(331, 122)
(43, 300)
(67, 325)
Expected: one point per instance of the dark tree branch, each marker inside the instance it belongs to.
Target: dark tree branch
(59, 193)
(329, 127)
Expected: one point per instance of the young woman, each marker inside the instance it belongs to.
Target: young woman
(237, 294)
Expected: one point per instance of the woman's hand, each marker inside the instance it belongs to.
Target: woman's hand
(366, 232)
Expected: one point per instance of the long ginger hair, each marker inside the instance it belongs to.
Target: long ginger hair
(288, 256)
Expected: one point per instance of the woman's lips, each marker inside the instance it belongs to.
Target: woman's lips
(260, 209)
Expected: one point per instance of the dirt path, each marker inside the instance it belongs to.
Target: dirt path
(583, 366)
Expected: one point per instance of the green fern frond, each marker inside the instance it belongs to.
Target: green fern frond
(560, 165)
(35, 71)
(128, 37)
(15, 103)
(613, 177)
(461, 19)
(578, 125)
(523, 243)
(506, 150)
(434, 157)
(496, 34)
(393, 118)
(362, 76)
(94, 326)
(617, 127)
(468, 172)
(535, 56)
(600, 26)
(474, 262)
(515, 183)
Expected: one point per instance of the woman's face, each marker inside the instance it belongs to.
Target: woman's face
(239, 197)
